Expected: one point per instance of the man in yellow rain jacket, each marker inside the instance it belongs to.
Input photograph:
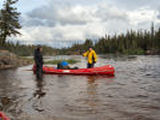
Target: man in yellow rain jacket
(92, 57)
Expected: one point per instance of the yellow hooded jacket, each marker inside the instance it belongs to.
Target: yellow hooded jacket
(91, 55)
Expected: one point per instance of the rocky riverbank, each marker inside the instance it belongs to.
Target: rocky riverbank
(10, 60)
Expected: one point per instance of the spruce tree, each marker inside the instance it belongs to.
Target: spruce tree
(9, 21)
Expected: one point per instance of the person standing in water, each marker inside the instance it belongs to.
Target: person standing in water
(38, 58)
(91, 56)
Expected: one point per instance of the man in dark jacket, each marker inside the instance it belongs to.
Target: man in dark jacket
(38, 58)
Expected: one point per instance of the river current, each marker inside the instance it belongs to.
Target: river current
(132, 94)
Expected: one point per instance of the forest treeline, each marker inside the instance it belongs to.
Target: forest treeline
(133, 42)
(27, 50)
(146, 42)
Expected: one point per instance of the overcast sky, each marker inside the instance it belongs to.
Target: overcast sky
(55, 22)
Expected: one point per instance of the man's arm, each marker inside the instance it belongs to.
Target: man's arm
(85, 54)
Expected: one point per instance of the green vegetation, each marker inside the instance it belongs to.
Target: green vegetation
(133, 42)
(31, 60)
(70, 61)
(147, 42)
(27, 50)
(135, 51)
(9, 21)
(9, 25)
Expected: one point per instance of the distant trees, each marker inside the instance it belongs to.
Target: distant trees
(133, 42)
(9, 21)
(28, 50)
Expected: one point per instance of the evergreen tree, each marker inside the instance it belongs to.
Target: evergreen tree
(133, 42)
(9, 21)
(88, 43)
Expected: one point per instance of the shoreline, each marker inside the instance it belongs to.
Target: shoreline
(10, 60)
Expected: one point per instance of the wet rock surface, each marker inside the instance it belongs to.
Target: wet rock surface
(10, 60)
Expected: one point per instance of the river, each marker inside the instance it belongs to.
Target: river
(132, 94)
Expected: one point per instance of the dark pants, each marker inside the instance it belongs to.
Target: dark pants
(90, 65)
(39, 71)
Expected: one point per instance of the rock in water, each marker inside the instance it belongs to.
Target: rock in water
(10, 60)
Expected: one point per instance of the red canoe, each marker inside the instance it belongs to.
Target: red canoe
(3, 116)
(104, 70)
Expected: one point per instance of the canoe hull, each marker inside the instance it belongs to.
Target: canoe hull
(104, 70)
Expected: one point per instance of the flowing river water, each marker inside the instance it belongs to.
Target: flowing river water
(132, 94)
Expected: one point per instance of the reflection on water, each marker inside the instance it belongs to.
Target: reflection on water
(133, 94)
(92, 94)
(39, 84)
(39, 94)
